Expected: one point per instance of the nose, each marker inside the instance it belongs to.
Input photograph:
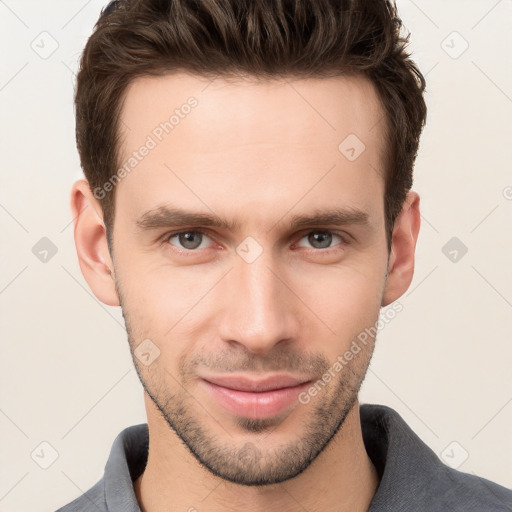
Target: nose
(259, 310)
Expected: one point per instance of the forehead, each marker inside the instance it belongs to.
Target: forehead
(255, 109)
(258, 139)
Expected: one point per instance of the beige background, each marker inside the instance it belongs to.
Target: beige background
(66, 377)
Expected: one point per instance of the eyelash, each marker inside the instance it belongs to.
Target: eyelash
(192, 252)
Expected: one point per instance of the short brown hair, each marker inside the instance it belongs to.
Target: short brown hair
(259, 38)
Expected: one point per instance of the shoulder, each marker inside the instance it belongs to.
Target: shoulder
(412, 477)
(93, 499)
(471, 492)
(125, 463)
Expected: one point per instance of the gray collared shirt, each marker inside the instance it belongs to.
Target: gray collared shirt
(412, 477)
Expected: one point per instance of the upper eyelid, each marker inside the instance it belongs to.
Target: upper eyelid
(345, 237)
(170, 234)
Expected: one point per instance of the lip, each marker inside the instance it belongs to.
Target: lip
(268, 383)
(251, 398)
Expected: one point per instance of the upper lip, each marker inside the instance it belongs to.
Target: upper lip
(242, 383)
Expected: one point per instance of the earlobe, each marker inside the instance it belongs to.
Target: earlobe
(91, 244)
(403, 245)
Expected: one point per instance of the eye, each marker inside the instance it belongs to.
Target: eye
(193, 240)
(189, 240)
(321, 239)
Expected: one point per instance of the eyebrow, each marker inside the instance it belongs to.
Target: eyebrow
(166, 216)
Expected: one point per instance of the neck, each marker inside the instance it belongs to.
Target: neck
(341, 478)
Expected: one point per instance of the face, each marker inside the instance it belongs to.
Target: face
(248, 243)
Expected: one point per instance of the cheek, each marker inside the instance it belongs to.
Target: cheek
(164, 303)
(346, 299)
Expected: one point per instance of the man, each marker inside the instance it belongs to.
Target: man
(248, 204)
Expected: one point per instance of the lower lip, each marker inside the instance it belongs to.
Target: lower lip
(255, 405)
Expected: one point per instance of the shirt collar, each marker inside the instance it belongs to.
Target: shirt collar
(127, 460)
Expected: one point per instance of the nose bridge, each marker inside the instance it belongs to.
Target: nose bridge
(258, 314)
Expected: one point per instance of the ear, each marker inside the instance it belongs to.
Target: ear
(91, 244)
(403, 245)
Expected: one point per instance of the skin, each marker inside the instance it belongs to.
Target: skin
(254, 153)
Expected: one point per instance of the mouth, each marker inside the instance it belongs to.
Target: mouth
(255, 398)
